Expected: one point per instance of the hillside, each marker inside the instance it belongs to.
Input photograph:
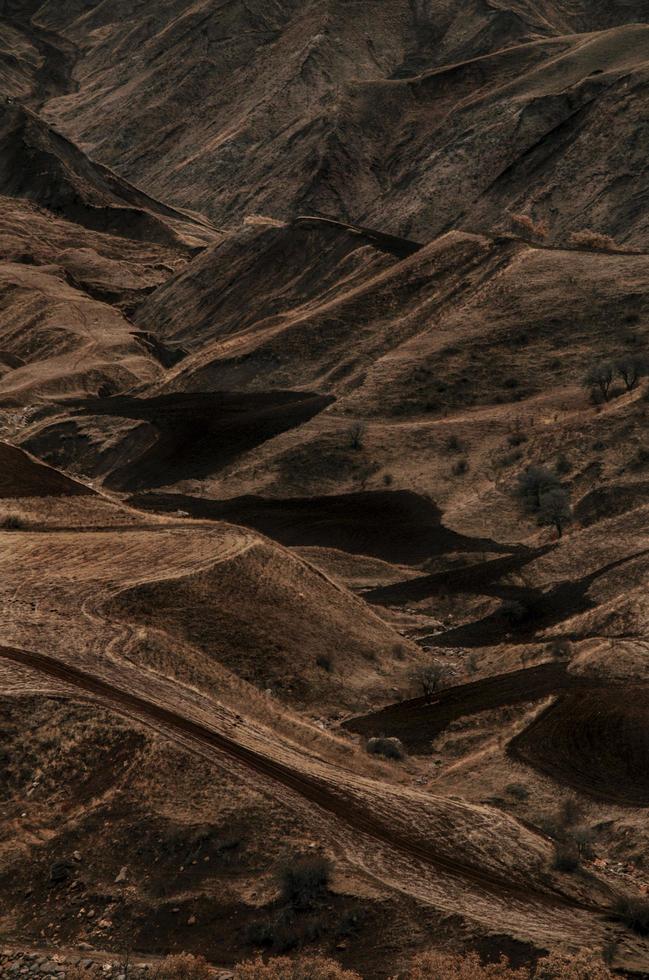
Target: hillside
(324, 383)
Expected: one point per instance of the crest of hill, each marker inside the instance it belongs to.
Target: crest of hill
(38, 163)
(336, 108)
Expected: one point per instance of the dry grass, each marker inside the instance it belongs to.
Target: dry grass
(528, 226)
(302, 968)
(558, 966)
(183, 966)
(594, 240)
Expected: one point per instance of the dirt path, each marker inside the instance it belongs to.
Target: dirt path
(309, 786)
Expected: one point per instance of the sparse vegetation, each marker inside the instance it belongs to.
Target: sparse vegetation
(533, 483)
(526, 225)
(634, 913)
(632, 368)
(559, 649)
(594, 240)
(541, 493)
(460, 468)
(514, 612)
(453, 444)
(304, 879)
(12, 522)
(389, 748)
(356, 435)
(516, 437)
(640, 459)
(429, 678)
(555, 510)
(518, 791)
(570, 812)
(301, 968)
(324, 662)
(182, 966)
(598, 380)
(566, 857)
(436, 965)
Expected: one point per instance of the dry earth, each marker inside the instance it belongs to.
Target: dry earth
(291, 294)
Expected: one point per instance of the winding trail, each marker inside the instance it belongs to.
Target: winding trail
(314, 788)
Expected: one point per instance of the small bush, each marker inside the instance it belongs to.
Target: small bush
(389, 748)
(526, 225)
(460, 468)
(429, 678)
(518, 791)
(388, 479)
(302, 968)
(559, 649)
(509, 459)
(566, 857)
(555, 510)
(183, 966)
(584, 965)
(303, 880)
(436, 965)
(532, 483)
(356, 435)
(516, 438)
(514, 612)
(11, 522)
(640, 460)
(631, 368)
(634, 913)
(594, 240)
(598, 380)
(563, 465)
(288, 929)
(453, 444)
(325, 663)
(570, 812)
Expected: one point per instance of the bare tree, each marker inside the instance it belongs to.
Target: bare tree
(631, 368)
(555, 510)
(599, 379)
(429, 678)
(357, 435)
(533, 483)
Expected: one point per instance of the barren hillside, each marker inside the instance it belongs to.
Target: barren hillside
(324, 478)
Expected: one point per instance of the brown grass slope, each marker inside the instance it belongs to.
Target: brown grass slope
(364, 95)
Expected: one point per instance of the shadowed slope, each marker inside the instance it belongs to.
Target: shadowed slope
(193, 435)
(396, 526)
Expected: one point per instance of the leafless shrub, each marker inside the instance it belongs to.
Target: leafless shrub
(631, 368)
(436, 965)
(357, 435)
(598, 379)
(594, 240)
(183, 966)
(304, 879)
(429, 678)
(528, 226)
(302, 968)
